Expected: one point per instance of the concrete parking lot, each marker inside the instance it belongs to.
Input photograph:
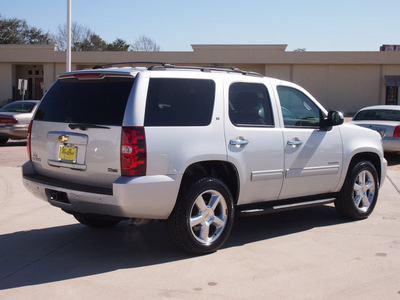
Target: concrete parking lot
(305, 254)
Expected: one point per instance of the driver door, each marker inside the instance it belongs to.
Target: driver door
(313, 156)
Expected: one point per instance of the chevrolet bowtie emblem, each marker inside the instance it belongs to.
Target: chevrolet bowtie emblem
(63, 138)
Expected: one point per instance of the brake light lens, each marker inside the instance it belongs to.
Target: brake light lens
(396, 132)
(8, 120)
(28, 141)
(89, 75)
(133, 151)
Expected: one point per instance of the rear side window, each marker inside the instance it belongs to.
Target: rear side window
(249, 105)
(100, 102)
(378, 114)
(179, 102)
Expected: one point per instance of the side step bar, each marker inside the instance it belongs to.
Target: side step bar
(275, 206)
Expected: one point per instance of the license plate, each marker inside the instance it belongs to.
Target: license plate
(68, 153)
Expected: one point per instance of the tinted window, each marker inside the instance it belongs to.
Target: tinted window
(249, 105)
(86, 101)
(297, 109)
(22, 107)
(179, 102)
(378, 114)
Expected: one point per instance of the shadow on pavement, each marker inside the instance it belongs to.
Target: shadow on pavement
(14, 144)
(392, 158)
(59, 253)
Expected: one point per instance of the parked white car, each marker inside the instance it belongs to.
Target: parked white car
(196, 146)
(15, 118)
(384, 119)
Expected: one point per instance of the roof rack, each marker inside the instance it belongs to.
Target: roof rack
(207, 69)
(164, 65)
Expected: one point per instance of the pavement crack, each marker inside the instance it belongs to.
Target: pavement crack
(392, 182)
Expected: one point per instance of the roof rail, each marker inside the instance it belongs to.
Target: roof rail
(208, 69)
(162, 64)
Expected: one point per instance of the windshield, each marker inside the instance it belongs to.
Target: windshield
(378, 115)
(21, 107)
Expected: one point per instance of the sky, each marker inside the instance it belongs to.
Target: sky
(324, 25)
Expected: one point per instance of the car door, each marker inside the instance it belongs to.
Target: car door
(253, 141)
(313, 155)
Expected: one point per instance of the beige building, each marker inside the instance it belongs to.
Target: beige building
(344, 81)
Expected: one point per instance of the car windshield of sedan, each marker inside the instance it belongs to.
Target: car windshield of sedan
(377, 115)
(18, 107)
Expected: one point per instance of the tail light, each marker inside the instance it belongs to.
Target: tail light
(396, 132)
(28, 141)
(8, 120)
(89, 75)
(133, 151)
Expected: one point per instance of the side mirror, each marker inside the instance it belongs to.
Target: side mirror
(334, 118)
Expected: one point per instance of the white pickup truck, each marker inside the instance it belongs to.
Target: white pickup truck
(197, 147)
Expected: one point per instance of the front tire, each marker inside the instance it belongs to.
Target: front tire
(359, 194)
(203, 217)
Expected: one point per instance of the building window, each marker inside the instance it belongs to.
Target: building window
(392, 95)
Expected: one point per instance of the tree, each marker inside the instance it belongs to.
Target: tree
(96, 43)
(93, 43)
(17, 31)
(79, 33)
(84, 39)
(118, 45)
(144, 43)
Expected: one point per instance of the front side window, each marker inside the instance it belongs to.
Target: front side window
(179, 102)
(298, 110)
(249, 105)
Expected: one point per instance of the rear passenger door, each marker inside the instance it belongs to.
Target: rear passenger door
(253, 141)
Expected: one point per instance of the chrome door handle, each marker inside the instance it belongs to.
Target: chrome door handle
(295, 142)
(239, 142)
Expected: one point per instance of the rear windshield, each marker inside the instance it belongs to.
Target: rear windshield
(21, 107)
(100, 102)
(179, 102)
(378, 114)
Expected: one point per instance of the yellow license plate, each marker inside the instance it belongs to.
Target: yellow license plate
(68, 153)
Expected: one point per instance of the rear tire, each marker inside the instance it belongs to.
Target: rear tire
(203, 217)
(359, 194)
(96, 222)
(3, 140)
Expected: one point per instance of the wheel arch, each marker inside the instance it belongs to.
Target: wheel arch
(369, 156)
(221, 170)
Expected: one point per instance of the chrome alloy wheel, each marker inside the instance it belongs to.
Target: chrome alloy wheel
(364, 190)
(208, 216)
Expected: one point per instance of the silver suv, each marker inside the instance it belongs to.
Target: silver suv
(196, 146)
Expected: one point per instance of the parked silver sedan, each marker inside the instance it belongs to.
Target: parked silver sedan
(15, 118)
(386, 120)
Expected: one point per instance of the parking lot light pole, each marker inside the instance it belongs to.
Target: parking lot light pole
(68, 35)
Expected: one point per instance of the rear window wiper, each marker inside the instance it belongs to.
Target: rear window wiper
(83, 126)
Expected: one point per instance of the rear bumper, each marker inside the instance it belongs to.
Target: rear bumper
(19, 131)
(150, 197)
(391, 144)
